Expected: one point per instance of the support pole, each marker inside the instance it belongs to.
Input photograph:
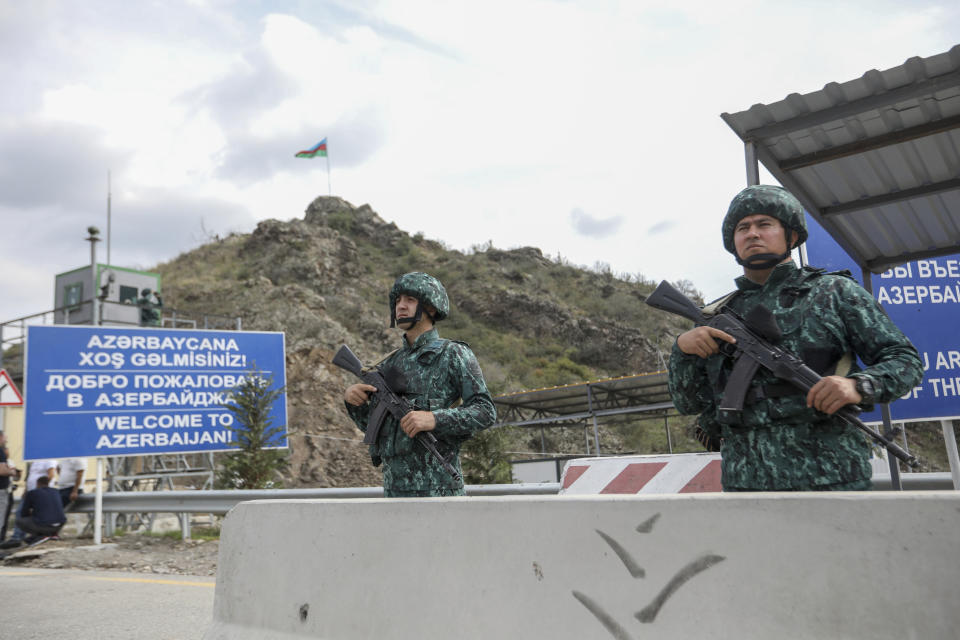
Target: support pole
(666, 427)
(596, 436)
(951, 442)
(596, 430)
(93, 239)
(329, 188)
(108, 218)
(98, 505)
(753, 165)
(892, 461)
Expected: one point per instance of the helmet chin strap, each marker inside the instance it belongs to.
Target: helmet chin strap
(411, 321)
(415, 319)
(763, 260)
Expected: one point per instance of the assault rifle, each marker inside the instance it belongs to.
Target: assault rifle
(390, 390)
(756, 337)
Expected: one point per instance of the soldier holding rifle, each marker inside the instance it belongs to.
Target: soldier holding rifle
(436, 374)
(784, 439)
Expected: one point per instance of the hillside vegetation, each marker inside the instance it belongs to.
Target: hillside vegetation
(323, 280)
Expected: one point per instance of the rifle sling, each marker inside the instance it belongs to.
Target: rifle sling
(772, 390)
(379, 362)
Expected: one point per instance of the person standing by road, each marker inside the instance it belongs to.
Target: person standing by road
(438, 374)
(784, 440)
(40, 468)
(70, 483)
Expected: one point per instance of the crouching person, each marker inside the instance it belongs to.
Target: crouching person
(42, 513)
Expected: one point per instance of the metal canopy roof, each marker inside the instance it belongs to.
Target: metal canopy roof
(581, 401)
(875, 160)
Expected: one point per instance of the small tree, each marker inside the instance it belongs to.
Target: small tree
(484, 460)
(253, 466)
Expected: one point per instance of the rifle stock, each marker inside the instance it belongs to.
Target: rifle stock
(346, 359)
(666, 298)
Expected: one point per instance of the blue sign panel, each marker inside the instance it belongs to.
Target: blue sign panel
(108, 391)
(923, 299)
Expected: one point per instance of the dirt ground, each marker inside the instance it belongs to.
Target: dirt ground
(131, 552)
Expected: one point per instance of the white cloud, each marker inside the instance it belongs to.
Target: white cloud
(467, 121)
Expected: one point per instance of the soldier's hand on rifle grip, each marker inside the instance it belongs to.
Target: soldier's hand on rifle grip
(702, 341)
(832, 393)
(417, 421)
(358, 394)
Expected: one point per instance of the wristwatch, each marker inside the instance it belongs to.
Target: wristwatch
(866, 389)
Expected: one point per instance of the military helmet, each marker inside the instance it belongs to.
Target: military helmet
(768, 200)
(425, 288)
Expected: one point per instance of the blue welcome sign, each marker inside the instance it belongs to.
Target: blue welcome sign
(923, 299)
(109, 391)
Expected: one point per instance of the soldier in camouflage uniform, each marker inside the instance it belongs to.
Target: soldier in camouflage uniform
(785, 440)
(439, 373)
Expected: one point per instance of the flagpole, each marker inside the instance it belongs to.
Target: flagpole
(108, 217)
(329, 189)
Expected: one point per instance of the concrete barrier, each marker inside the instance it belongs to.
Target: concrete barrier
(804, 565)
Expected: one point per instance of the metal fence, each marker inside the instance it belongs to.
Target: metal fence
(220, 502)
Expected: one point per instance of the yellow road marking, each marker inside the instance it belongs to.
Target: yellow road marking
(110, 579)
(153, 580)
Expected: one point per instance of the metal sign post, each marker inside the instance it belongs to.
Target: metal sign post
(98, 505)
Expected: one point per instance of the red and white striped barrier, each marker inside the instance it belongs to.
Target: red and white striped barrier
(675, 473)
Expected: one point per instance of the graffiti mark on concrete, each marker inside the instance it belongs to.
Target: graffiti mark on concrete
(635, 569)
(648, 613)
(605, 618)
(647, 525)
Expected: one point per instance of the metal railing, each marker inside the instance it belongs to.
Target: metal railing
(221, 501)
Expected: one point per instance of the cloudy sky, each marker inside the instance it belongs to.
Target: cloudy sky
(588, 128)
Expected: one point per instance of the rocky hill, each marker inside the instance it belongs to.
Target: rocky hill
(324, 280)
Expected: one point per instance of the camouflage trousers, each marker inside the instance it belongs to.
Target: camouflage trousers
(418, 475)
(856, 485)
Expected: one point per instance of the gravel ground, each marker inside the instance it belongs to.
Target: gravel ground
(131, 552)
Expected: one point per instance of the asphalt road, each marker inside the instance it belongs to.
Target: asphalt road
(103, 605)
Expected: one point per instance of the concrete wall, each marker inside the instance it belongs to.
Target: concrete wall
(854, 565)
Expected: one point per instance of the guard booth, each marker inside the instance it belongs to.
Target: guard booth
(117, 290)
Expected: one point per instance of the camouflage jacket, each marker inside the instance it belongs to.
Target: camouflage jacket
(439, 373)
(781, 444)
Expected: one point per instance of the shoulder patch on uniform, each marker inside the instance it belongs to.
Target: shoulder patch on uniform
(815, 272)
(436, 345)
(843, 273)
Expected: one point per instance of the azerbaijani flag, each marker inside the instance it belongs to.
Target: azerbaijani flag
(319, 149)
